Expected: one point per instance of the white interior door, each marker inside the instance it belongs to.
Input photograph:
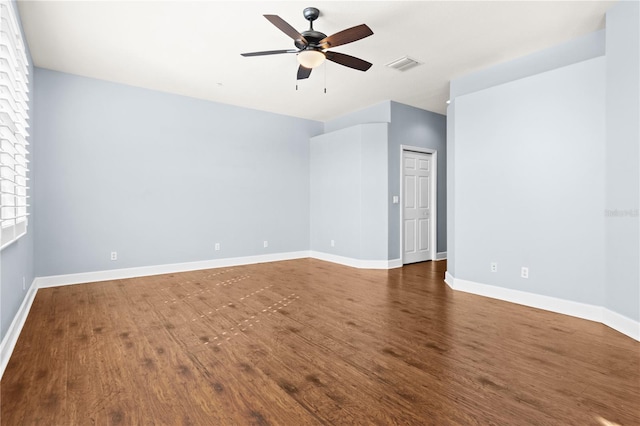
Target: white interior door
(416, 224)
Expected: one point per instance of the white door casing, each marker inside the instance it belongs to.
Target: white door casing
(418, 212)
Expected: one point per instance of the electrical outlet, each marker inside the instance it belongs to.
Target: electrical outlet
(494, 266)
(24, 283)
(524, 272)
(333, 243)
(265, 244)
(114, 255)
(217, 247)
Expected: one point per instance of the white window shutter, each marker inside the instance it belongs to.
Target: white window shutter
(14, 116)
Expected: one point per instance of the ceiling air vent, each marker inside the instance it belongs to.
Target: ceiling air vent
(403, 63)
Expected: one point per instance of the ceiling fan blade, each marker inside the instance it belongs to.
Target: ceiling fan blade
(283, 26)
(346, 36)
(269, 52)
(303, 72)
(348, 61)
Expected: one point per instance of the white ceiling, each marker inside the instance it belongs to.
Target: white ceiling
(193, 48)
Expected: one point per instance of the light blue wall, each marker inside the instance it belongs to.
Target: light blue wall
(451, 189)
(378, 113)
(424, 129)
(529, 183)
(335, 192)
(349, 192)
(623, 160)
(586, 217)
(374, 201)
(161, 178)
(17, 260)
(573, 51)
(407, 126)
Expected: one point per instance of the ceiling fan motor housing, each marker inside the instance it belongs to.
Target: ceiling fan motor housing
(313, 38)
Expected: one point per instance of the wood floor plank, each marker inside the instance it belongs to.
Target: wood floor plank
(307, 342)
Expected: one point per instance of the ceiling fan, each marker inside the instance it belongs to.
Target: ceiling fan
(311, 45)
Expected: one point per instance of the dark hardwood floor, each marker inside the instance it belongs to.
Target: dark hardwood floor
(307, 342)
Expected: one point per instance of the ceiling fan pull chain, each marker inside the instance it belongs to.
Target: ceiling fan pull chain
(325, 78)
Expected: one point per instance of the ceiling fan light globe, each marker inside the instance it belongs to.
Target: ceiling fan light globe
(310, 58)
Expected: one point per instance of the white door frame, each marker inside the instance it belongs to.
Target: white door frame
(434, 198)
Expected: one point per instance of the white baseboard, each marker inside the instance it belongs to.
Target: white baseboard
(143, 271)
(599, 314)
(395, 263)
(13, 332)
(356, 263)
(621, 323)
(448, 279)
(441, 255)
